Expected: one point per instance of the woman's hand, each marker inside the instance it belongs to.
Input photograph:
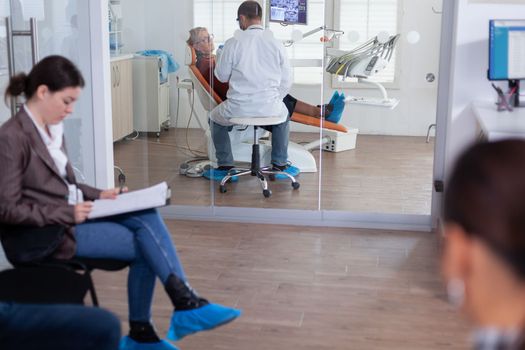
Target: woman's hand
(112, 193)
(82, 211)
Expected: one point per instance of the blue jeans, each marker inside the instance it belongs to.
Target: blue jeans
(223, 148)
(141, 238)
(57, 327)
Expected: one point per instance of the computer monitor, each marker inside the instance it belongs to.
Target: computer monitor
(288, 11)
(507, 50)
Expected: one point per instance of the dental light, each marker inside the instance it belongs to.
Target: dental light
(363, 62)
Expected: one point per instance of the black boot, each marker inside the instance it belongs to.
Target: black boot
(143, 332)
(182, 295)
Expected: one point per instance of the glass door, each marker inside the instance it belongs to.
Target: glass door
(384, 164)
(33, 29)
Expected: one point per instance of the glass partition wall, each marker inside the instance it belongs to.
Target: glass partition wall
(158, 121)
(390, 169)
(33, 29)
(376, 158)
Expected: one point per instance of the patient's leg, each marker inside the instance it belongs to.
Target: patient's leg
(314, 111)
(305, 108)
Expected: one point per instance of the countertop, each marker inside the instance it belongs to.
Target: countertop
(125, 56)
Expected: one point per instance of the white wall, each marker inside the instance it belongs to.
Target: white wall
(165, 26)
(469, 68)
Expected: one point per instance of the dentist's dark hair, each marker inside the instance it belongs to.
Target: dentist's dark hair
(485, 195)
(55, 72)
(250, 9)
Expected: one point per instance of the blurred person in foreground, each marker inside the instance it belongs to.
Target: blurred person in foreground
(484, 256)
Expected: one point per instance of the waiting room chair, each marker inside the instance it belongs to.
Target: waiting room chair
(54, 281)
(50, 280)
(44, 285)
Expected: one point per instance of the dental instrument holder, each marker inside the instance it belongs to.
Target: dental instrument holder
(362, 62)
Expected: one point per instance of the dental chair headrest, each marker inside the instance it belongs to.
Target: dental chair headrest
(190, 57)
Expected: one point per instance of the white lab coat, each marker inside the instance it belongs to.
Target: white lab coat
(257, 69)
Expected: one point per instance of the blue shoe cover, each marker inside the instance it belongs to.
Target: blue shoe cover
(292, 170)
(207, 317)
(335, 97)
(218, 175)
(337, 112)
(126, 343)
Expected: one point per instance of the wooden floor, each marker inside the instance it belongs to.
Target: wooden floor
(384, 174)
(308, 288)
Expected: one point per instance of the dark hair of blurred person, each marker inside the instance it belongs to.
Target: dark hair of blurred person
(484, 256)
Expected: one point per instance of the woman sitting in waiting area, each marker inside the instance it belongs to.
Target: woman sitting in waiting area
(484, 255)
(35, 180)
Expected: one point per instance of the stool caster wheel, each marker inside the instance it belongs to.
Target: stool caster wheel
(296, 185)
(222, 189)
(271, 177)
(267, 193)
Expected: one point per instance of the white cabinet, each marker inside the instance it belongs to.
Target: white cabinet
(122, 97)
(151, 96)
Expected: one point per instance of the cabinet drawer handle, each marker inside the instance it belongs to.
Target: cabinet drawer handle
(118, 75)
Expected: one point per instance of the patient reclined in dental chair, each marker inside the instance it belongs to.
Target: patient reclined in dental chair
(241, 137)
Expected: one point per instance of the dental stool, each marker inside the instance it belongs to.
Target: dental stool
(255, 168)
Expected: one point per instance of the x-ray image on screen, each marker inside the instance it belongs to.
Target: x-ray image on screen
(288, 11)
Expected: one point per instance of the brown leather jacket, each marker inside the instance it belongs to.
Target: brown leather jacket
(32, 192)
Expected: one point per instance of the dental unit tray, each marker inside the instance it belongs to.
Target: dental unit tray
(383, 101)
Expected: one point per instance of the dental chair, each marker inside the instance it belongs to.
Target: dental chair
(241, 136)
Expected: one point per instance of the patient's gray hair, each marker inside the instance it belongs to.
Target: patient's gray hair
(194, 35)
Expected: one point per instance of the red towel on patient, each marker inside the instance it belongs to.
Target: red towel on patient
(206, 65)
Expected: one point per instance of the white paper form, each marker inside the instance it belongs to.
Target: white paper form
(151, 197)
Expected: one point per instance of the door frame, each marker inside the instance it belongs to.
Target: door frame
(101, 92)
(444, 105)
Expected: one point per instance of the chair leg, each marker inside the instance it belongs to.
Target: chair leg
(264, 184)
(92, 291)
(262, 180)
(428, 131)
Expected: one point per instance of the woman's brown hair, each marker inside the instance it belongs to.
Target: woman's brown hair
(55, 72)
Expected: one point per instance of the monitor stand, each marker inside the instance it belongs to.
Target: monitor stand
(515, 84)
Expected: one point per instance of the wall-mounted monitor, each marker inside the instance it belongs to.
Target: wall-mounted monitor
(506, 50)
(288, 11)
